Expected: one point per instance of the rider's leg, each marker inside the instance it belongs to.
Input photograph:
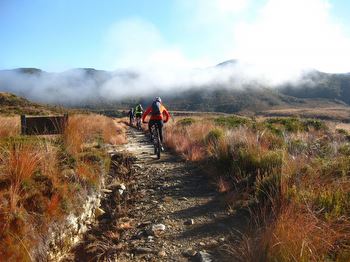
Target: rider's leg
(150, 124)
(160, 124)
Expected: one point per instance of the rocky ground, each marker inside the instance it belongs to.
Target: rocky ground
(156, 210)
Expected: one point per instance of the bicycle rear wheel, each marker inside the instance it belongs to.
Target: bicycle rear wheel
(154, 138)
(159, 145)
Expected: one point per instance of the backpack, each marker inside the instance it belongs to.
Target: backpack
(156, 109)
(139, 109)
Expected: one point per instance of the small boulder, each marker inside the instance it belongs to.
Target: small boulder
(157, 229)
(203, 256)
(99, 212)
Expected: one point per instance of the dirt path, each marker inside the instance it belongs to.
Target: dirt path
(169, 213)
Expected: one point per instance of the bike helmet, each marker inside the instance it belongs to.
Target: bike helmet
(158, 99)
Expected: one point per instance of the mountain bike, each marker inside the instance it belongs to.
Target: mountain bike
(156, 139)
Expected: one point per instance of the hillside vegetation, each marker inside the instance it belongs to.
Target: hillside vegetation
(290, 175)
(321, 85)
(11, 104)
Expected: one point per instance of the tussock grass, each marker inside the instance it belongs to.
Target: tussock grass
(10, 126)
(43, 179)
(84, 129)
(291, 174)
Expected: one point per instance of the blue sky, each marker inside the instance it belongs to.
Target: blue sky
(110, 34)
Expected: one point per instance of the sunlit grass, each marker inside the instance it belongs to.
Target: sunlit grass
(292, 174)
(43, 179)
(9, 126)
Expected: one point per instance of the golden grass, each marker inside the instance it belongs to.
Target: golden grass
(19, 164)
(82, 129)
(297, 181)
(189, 142)
(9, 126)
(35, 190)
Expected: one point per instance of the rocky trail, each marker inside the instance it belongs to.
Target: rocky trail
(155, 210)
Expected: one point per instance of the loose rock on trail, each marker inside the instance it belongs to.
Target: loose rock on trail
(159, 210)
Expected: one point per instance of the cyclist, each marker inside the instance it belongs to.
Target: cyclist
(131, 115)
(138, 115)
(157, 111)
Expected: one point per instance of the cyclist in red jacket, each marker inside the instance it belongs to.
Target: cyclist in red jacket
(159, 115)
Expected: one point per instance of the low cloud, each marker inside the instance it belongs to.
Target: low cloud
(81, 86)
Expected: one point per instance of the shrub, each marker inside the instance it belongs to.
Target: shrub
(268, 188)
(345, 133)
(214, 136)
(315, 124)
(297, 146)
(186, 121)
(288, 124)
(345, 149)
(231, 121)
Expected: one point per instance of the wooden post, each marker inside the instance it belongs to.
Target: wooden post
(23, 125)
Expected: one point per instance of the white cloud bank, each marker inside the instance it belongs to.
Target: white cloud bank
(292, 35)
(285, 34)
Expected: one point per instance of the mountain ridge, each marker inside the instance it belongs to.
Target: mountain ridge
(254, 96)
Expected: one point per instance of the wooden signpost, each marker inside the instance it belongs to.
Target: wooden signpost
(43, 125)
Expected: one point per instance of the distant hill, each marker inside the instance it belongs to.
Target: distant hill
(91, 88)
(250, 99)
(316, 84)
(11, 105)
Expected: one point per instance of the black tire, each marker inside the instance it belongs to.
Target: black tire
(153, 139)
(155, 149)
(159, 147)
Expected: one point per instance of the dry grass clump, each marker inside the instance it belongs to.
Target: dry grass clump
(293, 176)
(28, 180)
(43, 179)
(9, 126)
(190, 142)
(83, 129)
